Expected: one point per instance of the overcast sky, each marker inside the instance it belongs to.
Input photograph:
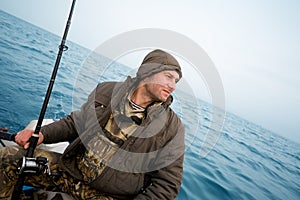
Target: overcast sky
(254, 44)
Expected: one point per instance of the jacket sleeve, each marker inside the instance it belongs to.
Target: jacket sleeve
(68, 128)
(166, 182)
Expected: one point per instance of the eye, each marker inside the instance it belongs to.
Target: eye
(168, 75)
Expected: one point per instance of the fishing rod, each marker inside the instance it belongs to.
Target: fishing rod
(40, 164)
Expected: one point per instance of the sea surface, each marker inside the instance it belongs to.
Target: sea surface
(247, 162)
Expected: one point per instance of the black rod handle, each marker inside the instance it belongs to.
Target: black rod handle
(7, 136)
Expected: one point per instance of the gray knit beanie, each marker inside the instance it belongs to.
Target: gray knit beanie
(157, 61)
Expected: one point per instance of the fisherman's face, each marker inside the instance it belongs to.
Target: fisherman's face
(159, 86)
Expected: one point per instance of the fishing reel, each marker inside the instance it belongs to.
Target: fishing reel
(35, 166)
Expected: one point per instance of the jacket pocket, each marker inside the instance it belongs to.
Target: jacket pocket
(119, 183)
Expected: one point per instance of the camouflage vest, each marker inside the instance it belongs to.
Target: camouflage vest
(103, 145)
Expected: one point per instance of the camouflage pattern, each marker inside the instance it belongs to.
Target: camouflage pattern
(58, 181)
(102, 147)
(93, 161)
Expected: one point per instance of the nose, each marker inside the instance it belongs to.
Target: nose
(172, 85)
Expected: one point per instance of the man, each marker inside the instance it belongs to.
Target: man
(125, 141)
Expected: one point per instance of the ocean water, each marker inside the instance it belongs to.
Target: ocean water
(247, 162)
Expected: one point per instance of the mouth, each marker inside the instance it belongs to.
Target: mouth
(167, 92)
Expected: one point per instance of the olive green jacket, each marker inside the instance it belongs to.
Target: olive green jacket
(148, 165)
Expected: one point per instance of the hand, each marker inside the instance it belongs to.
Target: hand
(22, 138)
